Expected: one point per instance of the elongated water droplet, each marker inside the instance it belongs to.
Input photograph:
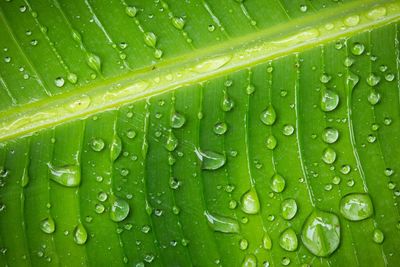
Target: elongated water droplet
(69, 175)
(115, 148)
(352, 20)
(221, 223)
(288, 208)
(76, 36)
(97, 144)
(330, 135)
(210, 160)
(177, 120)
(374, 97)
(351, 81)
(78, 104)
(227, 103)
(373, 80)
(249, 260)
(329, 155)
(377, 13)
(356, 207)
(321, 233)
(119, 210)
(329, 100)
(131, 11)
(271, 142)
(178, 22)
(250, 203)
(150, 39)
(94, 62)
(212, 64)
(277, 183)
(288, 240)
(80, 234)
(220, 128)
(25, 178)
(378, 236)
(172, 142)
(268, 116)
(48, 225)
(267, 242)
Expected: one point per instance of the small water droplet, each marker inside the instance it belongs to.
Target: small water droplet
(69, 175)
(250, 203)
(288, 208)
(378, 236)
(227, 103)
(177, 120)
(329, 155)
(267, 242)
(150, 39)
(210, 160)
(97, 144)
(220, 128)
(348, 61)
(72, 78)
(271, 142)
(325, 78)
(285, 261)
(357, 49)
(373, 80)
(352, 20)
(376, 13)
(59, 81)
(178, 22)
(249, 261)
(268, 116)
(389, 77)
(329, 100)
(131, 11)
(48, 225)
(212, 64)
(288, 240)
(115, 148)
(119, 210)
(94, 62)
(221, 223)
(277, 183)
(303, 8)
(330, 135)
(80, 234)
(172, 142)
(288, 129)
(80, 103)
(243, 244)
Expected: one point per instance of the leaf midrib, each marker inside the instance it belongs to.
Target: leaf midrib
(235, 54)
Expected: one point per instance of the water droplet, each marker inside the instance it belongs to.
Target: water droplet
(329, 155)
(389, 77)
(59, 82)
(373, 80)
(288, 129)
(25, 178)
(97, 144)
(371, 138)
(250, 89)
(178, 23)
(80, 234)
(321, 233)
(220, 128)
(267, 242)
(348, 62)
(288, 208)
(352, 20)
(271, 142)
(174, 183)
(131, 11)
(69, 175)
(7, 59)
(378, 236)
(131, 134)
(249, 261)
(388, 172)
(102, 196)
(177, 120)
(336, 180)
(345, 169)
(81, 103)
(221, 223)
(99, 208)
(288, 240)
(357, 49)
(330, 135)
(115, 148)
(158, 53)
(250, 203)
(285, 261)
(268, 116)
(303, 8)
(150, 39)
(329, 100)
(227, 103)
(243, 244)
(277, 183)
(48, 225)
(72, 78)
(94, 62)
(325, 78)
(172, 142)
(119, 210)
(376, 13)
(356, 207)
(210, 160)
(212, 64)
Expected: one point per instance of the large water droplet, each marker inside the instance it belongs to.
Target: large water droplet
(48, 225)
(177, 120)
(329, 100)
(268, 116)
(115, 148)
(172, 142)
(330, 135)
(119, 210)
(356, 207)
(250, 203)
(277, 183)
(150, 39)
(321, 233)
(210, 160)
(329, 155)
(221, 223)
(288, 208)
(80, 234)
(288, 240)
(69, 175)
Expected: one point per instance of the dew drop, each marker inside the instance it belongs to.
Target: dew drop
(94, 62)
(352, 20)
(210, 160)
(221, 223)
(249, 261)
(267, 242)
(72, 78)
(119, 210)
(277, 183)
(97, 144)
(115, 148)
(212, 64)
(356, 207)
(376, 13)
(373, 80)
(59, 82)
(357, 49)
(47, 225)
(243, 244)
(177, 120)
(330, 135)
(150, 39)
(227, 103)
(329, 100)
(348, 62)
(325, 78)
(178, 23)
(288, 208)
(271, 142)
(288, 240)
(69, 175)
(329, 155)
(80, 234)
(268, 116)
(288, 129)
(131, 11)
(250, 203)
(220, 128)
(378, 236)
(321, 233)
(172, 142)
(389, 77)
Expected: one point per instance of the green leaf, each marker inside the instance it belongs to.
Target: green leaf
(199, 133)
